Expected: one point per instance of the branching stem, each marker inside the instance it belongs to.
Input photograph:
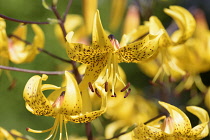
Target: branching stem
(54, 56)
(32, 71)
(22, 21)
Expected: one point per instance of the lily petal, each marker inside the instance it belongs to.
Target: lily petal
(201, 130)
(140, 50)
(100, 40)
(72, 103)
(36, 102)
(80, 52)
(185, 22)
(155, 25)
(19, 53)
(182, 125)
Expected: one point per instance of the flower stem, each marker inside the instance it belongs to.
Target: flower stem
(61, 21)
(32, 71)
(22, 21)
(67, 10)
(54, 56)
(88, 131)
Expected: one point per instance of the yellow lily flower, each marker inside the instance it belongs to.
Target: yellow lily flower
(176, 126)
(21, 53)
(165, 61)
(193, 55)
(105, 53)
(64, 104)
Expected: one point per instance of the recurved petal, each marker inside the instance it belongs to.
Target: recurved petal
(80, 52)
(38, 41)
(72, 103)
(140, 50)
(155, 25)
(201, 130)
(185, 22)
(36, 102)
(100, 40)
(16, 46)
(28, 53)
(20, 31)
(182, 125)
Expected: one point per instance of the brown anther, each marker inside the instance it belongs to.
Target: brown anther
(62, 93)
(153, 83)
(90, 86)
(127, 93)
(113, 41)
(97, 93)
(126, 87)
(106, 86)
(115, 95)
(27, 129)
(111, 37)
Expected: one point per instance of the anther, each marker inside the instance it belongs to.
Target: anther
(113, 41)
(115, 95)
(97, 93)
(90, 86)
(106, 86)
(126, 87)
(62, 93)
(111, 37)
(127, 93)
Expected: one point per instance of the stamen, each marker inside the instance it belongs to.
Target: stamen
(126, 87)
(90, 86)
(38, 131)
(97, 93)
(106, 86)
(115, 95)
(127, 93)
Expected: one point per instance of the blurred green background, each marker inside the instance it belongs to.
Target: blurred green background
(13, 114)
